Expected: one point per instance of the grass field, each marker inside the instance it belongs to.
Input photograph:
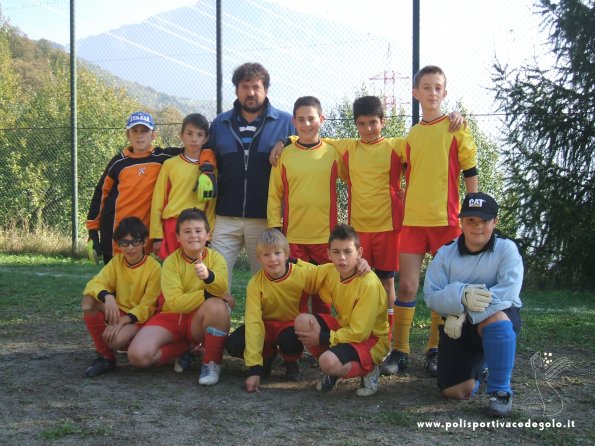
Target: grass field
(45, 398)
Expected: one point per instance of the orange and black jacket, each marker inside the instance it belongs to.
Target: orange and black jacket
(125, 190)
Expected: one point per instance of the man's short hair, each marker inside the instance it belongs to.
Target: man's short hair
(272, 238)
(428, 69)
(249, 71)
(307, 101)
(132, 226)
(192, 214)
(367, 106)
(344, 232)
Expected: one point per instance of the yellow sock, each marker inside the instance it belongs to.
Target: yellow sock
(404, 312)
(434, 334)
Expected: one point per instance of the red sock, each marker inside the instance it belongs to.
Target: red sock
(214, 346)
(95, 323)
(356, 370)
(172, 350)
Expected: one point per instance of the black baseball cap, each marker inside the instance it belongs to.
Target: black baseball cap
(478, 204)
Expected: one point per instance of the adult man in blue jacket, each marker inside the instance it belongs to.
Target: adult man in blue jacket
(242, 139)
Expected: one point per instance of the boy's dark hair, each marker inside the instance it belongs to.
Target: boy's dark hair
(344, 232)
(367, 106)
(197, 120)
(192, 214)
(249, 71)
(428, 69)
(132, 226)
(307, 101)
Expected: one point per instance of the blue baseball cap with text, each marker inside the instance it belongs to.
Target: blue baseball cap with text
(140, 118)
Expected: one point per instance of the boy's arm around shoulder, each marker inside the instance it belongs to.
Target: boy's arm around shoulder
(341, 145)
(316, 279)
(147, 303)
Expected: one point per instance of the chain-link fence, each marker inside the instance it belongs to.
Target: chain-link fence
(166, 65)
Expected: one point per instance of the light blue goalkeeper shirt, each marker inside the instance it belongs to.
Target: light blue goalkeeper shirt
(498, 266)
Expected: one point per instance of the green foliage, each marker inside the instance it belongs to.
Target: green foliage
(35, 138)
(550, 145)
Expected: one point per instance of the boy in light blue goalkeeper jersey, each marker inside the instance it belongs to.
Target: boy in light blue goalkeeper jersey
(474, 283)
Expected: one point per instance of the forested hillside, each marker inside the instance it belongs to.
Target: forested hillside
(35, 136)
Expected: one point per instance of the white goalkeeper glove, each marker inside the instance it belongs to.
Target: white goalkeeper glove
(476, 297)
(453, 326)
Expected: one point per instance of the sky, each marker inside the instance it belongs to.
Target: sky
(461, 36)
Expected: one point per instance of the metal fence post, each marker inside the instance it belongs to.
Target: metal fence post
(73, 128)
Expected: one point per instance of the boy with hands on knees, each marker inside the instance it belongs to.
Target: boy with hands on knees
(474, 282)
(193, 283)
(122, 297)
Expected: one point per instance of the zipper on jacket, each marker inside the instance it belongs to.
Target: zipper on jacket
(246, 162)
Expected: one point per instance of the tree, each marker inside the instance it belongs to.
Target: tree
(549, 114)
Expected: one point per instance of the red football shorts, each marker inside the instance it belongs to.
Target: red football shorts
(426, 239)
(169, 243)
(178, 324)
(362, 348)
(381, 249)
(271, 336)
(318, 252)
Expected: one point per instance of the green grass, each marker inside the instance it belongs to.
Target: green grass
(60, 431)
(65, 429)
(38, 286)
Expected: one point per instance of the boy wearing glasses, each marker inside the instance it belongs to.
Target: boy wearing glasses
(122, 297)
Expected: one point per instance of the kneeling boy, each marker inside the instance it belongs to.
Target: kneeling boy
(122, 297)
(192, 280)
(474, 282)
(273, 300)
(353, 343)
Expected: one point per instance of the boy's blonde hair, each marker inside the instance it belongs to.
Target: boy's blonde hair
(272, 238)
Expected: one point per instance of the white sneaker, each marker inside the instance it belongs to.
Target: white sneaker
(209, 374)
(369, 384)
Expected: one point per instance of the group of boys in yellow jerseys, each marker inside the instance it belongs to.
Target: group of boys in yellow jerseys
(127, 306)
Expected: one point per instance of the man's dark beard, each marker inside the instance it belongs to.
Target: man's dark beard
(249, 109)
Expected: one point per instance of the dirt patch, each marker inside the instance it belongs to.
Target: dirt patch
(46, 399)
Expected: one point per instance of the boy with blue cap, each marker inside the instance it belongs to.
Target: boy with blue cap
(126, 187)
